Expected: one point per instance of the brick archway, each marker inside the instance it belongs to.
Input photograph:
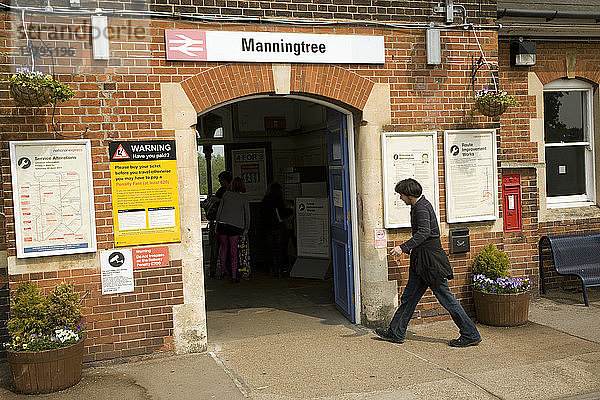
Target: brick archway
(231, 81)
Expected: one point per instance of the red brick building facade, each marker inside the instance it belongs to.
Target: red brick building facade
(123, 99)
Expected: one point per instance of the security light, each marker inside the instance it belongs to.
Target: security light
(522, 53)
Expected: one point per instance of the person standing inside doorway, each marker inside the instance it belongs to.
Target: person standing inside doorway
(233, 220)
(429, 267)
(275, 213)
(211, 206)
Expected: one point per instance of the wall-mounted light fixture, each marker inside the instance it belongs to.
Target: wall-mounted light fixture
(522, 53)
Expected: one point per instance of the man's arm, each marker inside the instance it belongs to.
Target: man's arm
(422, 233)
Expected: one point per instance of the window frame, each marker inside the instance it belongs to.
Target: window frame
(589, 198)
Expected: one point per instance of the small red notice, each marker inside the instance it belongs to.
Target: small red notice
(151, 257)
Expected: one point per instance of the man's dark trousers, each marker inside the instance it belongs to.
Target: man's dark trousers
(415, 289)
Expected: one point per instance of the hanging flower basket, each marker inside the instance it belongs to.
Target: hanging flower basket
(35, 89)
(30, 96)
(491, 109)
(493, 103)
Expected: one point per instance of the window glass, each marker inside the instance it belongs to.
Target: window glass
(564, 116)
(565, 170)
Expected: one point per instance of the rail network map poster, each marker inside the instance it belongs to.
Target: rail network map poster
(144, 192)
(53, 197)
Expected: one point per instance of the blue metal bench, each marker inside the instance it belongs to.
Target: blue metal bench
(574, 255)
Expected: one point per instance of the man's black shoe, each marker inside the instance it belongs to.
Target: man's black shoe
(464, 342)
(388, 335)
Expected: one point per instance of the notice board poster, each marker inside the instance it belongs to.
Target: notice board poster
(53, 197)
(251, 166)
(144, 192)
(408, 155)
(471, 175)
(312, 227)
(116, 271)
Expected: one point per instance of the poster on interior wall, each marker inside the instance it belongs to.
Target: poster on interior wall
(145, 196)
(251, 166)
(116, 271)
(312, 227)
(408, 155)
(471, 175)
(53, 197)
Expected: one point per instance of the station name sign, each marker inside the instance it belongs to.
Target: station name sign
(197, 45)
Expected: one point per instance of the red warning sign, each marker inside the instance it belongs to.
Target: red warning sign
(151, 257)
(120, 153)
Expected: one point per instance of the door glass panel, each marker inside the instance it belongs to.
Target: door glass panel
(565, 170)
(564, 116)
(337, 195)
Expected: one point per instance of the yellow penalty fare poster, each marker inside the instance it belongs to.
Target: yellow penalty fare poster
(144, 192)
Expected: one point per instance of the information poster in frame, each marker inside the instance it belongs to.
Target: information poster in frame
(471, 175)
(408, 155)
(251, 166)
(53, 197)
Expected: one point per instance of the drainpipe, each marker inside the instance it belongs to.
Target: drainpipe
(548, 14)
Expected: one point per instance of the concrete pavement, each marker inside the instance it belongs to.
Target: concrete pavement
(314, 353)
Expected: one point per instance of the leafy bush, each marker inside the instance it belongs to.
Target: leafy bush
(491, 262)
(29, 313)
(64, 306)
(38, 322)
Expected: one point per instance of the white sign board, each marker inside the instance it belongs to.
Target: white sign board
(408, 155)
(251, 166)
(53, 197)
(116, 271)
(278, 47)
(312, 227)
(471, 175)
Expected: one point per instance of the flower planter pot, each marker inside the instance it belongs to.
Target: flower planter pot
(30, 97)
(491, 109)
(501, 309)
(36, 372)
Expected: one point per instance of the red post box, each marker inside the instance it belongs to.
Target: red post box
(511, 202)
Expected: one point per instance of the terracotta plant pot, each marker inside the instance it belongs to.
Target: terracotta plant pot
(47, 371)
(491, 109)
(29, 97)
(501, 309)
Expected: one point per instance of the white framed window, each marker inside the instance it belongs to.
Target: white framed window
(569, 143)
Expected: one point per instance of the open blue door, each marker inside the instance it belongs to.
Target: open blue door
(339, 199)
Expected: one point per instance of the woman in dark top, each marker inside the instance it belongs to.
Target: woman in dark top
(274, 213)
(429, 267)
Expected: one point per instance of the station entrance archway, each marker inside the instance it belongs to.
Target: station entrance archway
(308, 147)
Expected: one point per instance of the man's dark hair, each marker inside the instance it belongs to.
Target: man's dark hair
(226, 176)
(409, 187)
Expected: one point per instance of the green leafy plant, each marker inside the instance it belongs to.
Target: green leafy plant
(491, 262)
(39, 322)
(41, 84)
(492, 274)
(494, 102)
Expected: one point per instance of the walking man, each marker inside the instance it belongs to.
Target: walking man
(429, 267)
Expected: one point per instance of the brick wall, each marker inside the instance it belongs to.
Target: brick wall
(478, 12)
(517, 146)
(121, 325)
(120, 99)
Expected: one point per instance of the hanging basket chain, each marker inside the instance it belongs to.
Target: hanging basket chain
(490, 102)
